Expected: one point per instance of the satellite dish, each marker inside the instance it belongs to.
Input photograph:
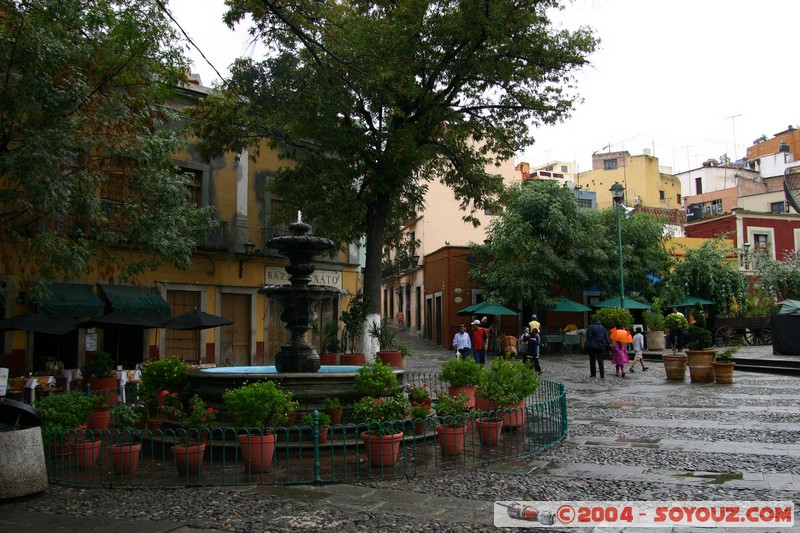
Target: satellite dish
(569, 184)
(791, 187)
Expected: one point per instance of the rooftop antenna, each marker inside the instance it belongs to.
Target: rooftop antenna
(733, 125)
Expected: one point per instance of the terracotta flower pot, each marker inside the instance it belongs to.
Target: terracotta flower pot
(382, 450)
(514, 415)
(723, 371)
(451, 440)
(99, 420)
(352, 359)
(700, 365)
(675, 366)
(257, 451)
(336, 415)
(87, 452)
(489, 431)
(393, 358)
(125, 458)
(188, 459)
(328, 359)
(469, 391)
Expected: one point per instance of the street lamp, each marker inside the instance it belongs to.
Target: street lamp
(617, 194)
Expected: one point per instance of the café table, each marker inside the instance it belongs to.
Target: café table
(551, 341)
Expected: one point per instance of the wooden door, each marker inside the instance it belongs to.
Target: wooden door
(183, 343)
(235, 348)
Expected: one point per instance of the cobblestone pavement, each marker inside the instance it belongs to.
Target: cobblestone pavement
(635, 438)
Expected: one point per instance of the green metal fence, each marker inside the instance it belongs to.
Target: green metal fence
(301, 453)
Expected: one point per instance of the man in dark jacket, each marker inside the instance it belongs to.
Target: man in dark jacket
(596, 344)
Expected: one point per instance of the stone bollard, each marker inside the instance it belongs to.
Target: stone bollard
(23, 470)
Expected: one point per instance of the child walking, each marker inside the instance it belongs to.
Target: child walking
(534, 344)
(638, 348)
(619, 357)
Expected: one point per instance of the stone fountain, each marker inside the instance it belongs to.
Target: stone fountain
(300, 247)
(297, 366)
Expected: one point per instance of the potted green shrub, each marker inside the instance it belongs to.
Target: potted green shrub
(675, 363)
(324, 420)
(99, 378)
(381, 419)
(452, 432)
(506, 383)
(125, 451)
(384, 332)
(654, 322)
(419, 414)
(463, 376)
(62, 414)
(253, 407)
(375, 380)
(699, 354)
(724, 365)
(170, 374)
(333, 408)
(354, 319)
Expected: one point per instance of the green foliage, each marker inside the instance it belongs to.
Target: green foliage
(124, 417)
(654, 317)
(419, 412)
(384, 332)
(418, 395)
(260, 404)
(780, 279)
(404, 348)
(330, 338)
(614, 317)
(508, 381)
(381, 417)
(331, 402)
(726, 355)
(62, 413)
(710, 272)
(100, 366)
(699, 337)
(676, 324)
(87, 141)
(197, 414)
(761, 304)
(392, 96)
(376, 379)
(354, 319)
(450, 409)
(170, 374)
(462, 372)
(323, 417)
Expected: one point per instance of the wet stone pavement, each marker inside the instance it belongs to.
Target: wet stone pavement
(635, 438)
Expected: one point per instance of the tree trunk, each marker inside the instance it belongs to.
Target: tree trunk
(377, 215)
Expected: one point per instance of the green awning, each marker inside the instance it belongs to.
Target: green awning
(75, 300)
(136, 302)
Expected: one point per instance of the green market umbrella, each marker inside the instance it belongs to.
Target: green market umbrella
(689, 301)
(627, 303)
(487, 308)
(565, 305)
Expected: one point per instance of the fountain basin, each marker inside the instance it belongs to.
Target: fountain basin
(309, 388)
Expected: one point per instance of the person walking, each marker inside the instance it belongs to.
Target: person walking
(462, 341)
(534, 346)
(480, 340)
(523, 344)
(638, 348)
(596, 344)
(534, 323)
(619, 357)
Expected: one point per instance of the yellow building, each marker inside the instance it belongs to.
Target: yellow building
(646, 183)
(229, 268)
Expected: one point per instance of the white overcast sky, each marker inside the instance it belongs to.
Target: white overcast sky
(686, 79)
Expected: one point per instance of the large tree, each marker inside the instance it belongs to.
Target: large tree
(84, 144)
(543, 244)
(372, 100)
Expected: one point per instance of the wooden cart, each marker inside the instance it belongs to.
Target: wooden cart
(755, 331)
